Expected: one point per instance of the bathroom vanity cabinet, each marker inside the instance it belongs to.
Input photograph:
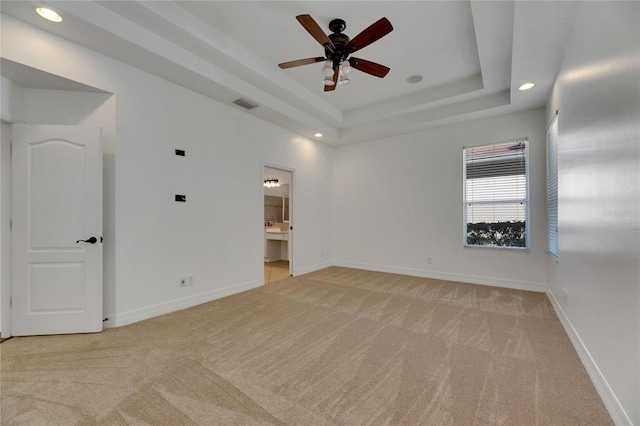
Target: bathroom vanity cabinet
(275, 245)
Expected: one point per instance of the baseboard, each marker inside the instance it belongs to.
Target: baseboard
(312, 268)
(140, 314)
(617, 413)
(472, 279)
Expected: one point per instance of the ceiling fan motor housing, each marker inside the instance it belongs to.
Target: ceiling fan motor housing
(339, 40)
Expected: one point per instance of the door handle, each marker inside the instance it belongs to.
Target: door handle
(91, 240)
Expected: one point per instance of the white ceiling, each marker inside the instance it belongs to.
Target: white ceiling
(472, 56)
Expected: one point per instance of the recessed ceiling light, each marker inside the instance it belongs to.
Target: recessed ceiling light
(49, 14)
(526, 86)
(318, 135)
(414, 79)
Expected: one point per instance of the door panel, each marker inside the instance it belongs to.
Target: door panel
(56, 287)
(56, 201)
(56, 191)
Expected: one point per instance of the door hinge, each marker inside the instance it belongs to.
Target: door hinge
(10, 225)
(10, 302)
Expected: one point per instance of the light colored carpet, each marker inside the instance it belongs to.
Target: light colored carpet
(337, 346)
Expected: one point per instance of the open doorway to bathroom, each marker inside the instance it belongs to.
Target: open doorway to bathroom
(278, 224)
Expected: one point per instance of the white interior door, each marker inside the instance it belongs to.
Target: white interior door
(56, 281)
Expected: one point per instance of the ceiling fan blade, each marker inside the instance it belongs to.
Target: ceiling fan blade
(314, 29)
(369, 67)
(335, 81)
(300, 62)
(374, 32)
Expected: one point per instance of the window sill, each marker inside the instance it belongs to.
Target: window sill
(497, 247)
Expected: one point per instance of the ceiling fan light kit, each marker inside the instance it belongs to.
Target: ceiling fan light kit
(337, 49)
(327, 69)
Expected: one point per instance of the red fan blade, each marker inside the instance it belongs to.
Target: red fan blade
(300, 62)
(374, 32)
(369, 67)
(314, 29)
(335, 81)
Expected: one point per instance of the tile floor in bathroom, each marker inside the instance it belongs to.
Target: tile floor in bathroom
(276, 271)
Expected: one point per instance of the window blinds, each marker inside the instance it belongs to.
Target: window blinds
(496, 194)
(552, 188)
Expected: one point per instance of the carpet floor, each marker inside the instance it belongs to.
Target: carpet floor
(337, 346)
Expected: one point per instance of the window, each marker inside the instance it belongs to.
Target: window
(496, 195)
(552, 188)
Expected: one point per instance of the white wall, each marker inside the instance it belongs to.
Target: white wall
(398, 201)
(71, 107)
(597, 94)
(217, 235)
(11, 101)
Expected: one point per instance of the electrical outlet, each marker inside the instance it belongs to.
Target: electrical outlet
(565, 296)
(186, 281)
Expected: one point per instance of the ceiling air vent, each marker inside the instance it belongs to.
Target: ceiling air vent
(245, 103)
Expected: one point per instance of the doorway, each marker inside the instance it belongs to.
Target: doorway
(83, 107)
(278, 223)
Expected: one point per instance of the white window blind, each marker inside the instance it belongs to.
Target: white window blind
(552, 188)
(496, 195)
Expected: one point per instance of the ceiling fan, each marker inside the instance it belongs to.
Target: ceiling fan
(338, 47)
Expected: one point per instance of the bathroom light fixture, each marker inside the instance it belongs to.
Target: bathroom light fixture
(526, 86)
(318, 135)
(48, 14)
(271, 182)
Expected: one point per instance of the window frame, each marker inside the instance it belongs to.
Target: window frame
(525, 200)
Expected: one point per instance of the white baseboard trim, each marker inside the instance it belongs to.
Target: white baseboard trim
(135, 315)
(312, 268)
(108, 321)
(617, 413)
(472, 279)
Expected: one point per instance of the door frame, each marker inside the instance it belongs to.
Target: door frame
(292, 203)
(5, 229)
